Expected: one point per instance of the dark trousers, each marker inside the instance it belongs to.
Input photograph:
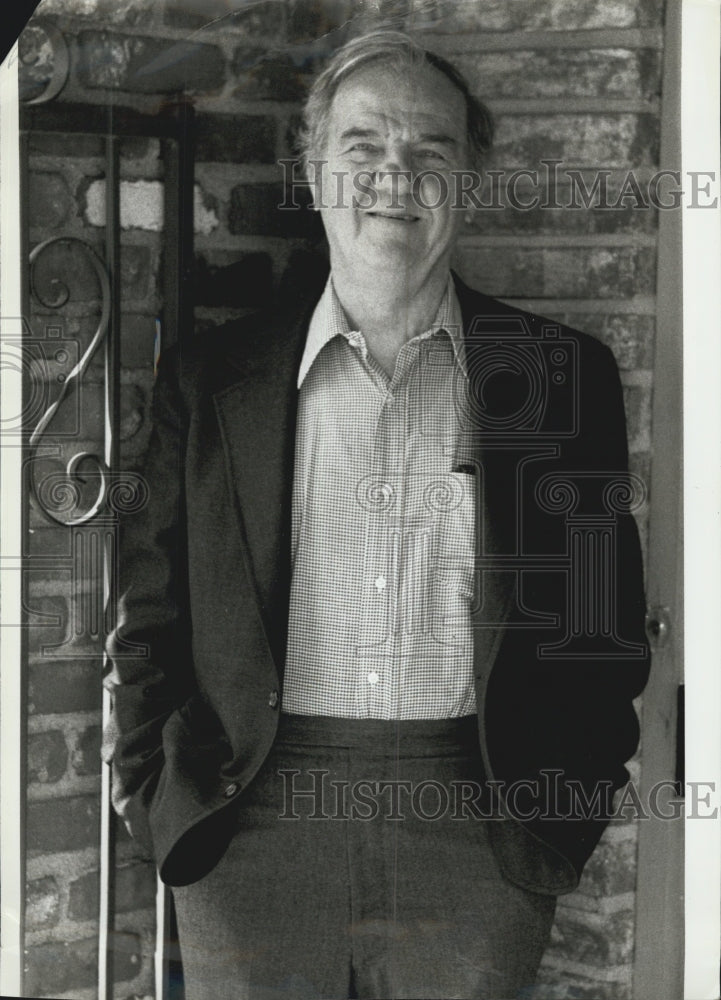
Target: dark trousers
(361, 867)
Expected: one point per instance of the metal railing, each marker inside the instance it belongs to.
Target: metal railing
(59, 497)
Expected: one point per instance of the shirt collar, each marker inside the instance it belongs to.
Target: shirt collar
(329, 320)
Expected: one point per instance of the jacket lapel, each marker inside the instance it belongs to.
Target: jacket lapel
(496, 586)
(257, 418)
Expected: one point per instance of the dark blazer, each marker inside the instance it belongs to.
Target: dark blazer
(199, 645)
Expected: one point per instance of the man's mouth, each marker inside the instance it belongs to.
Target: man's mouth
(394, 216)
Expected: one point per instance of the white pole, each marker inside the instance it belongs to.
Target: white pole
(701, 219)
(12, 674)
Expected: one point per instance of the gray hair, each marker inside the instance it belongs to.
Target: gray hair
(394, 48)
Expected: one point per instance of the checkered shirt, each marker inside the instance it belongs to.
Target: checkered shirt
(383, 527)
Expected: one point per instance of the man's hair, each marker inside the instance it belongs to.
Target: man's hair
(393, 48)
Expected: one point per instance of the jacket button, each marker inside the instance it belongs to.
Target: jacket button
(273, 699)
(231, 790)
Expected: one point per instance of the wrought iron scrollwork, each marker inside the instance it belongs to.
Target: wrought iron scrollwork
(44, 62)
(66, 496)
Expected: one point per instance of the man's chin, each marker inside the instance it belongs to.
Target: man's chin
(396, 242)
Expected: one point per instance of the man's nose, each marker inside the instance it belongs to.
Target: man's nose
(394, 174)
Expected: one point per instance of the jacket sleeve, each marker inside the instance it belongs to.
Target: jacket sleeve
(149, 649)
(572, 686)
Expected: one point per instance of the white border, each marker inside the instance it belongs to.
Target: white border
(702, 527)
(700, 52)
(12, 790)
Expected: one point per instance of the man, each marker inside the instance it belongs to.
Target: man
(382, 617)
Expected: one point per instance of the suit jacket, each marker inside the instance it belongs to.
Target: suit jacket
(198, 649)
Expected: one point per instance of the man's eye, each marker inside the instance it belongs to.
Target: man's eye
(362, 147)
(430, 154)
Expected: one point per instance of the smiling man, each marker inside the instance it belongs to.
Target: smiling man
(369, 703)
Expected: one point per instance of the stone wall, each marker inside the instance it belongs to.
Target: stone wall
(573, 81)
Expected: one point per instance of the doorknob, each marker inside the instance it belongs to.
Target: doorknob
(658, 626)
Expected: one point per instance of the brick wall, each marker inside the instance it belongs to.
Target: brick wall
(570, 80)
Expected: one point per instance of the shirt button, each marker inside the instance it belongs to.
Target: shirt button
(373, 677)
(231, 790)
(380, 583)
(273, 699)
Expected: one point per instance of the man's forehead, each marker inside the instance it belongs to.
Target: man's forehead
(385, 98)
(410, 122)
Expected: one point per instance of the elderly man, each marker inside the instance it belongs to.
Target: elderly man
(381, 625)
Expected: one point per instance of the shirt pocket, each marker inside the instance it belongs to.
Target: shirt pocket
(456, 553)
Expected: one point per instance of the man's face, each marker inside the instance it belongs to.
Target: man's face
(385, 121)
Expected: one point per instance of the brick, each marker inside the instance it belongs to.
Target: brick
(131, 12)
(502, 271)
(259, 76)
(137, 340)
(611, 870)
(42, 902)
(599, 273)
(135, 888)
(141, 204)
(205, 212)
(85, 757)
(563, 73)
(133, 411)
(575, 986)
(90, 409)
(235, 139)
(49, 200)
(47, 757)
(142, 207)
(65, 686)
(137, 271)
(576, 272)
(76, 635)
(630, 337)
(49, 622)
(611, 140)
(59, 144)
(256, 20)
(146, 65)
(226, 280)
(563, 15)
(138, 147)
(538, 220)
(63, 824)
(46, 542)
(650, 13)
(254, 210)
(54, 967)
(637, 400)
(594, 939)
(308, 22)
